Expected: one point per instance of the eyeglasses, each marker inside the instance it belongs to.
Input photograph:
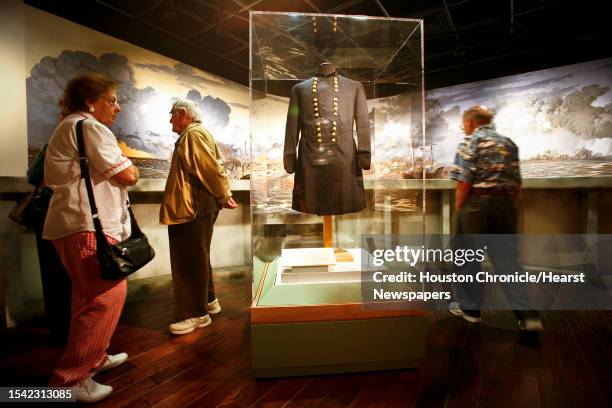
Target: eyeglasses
(173, 111)
(112, 102)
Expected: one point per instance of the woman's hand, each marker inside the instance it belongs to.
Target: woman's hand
(127, 177)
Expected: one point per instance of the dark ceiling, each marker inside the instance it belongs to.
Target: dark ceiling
(465, 40)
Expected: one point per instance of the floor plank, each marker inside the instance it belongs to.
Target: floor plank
(466, 365)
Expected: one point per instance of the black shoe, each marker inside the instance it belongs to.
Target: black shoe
(471, 316)
(530, 339)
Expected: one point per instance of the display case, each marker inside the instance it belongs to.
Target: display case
(338, 150)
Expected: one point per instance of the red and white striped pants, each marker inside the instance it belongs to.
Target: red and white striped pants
(96, 307)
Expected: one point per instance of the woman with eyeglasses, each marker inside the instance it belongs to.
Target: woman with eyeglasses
(96, 303)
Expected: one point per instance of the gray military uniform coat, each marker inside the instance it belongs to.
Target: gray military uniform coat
(333, 185)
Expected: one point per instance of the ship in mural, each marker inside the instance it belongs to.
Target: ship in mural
(424, 167)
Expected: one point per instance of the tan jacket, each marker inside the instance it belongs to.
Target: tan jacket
(197, 183)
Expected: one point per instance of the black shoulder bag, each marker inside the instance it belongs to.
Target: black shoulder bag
(126, 257)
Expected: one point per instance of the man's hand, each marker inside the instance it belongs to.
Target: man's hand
(462, 192)
(230, 204)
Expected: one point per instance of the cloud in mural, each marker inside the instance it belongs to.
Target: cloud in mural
(398, 127)
(215, 111)
(47, 82)
(143, 123)
(45, 87)
(562, 112)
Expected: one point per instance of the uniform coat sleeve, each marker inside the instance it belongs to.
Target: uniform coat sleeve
(362, 120)
(292, 132)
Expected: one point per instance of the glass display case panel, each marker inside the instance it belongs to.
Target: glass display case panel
(334, 156)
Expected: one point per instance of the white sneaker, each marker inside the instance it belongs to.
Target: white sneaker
(189, 325)
(91, 391)
(111, 362)
(455, 308)
(531, 324)
(214, 307)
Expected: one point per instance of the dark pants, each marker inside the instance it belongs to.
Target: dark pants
(191, 269)
(479, 223)
(56, 284)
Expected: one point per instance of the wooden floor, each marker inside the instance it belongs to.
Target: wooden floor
(465, 366)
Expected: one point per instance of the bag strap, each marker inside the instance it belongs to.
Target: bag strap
(84, 164)
(136, 231)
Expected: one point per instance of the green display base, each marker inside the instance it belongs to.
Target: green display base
(338, 346)
(328, 344)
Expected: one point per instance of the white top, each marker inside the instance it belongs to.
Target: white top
(69, 210)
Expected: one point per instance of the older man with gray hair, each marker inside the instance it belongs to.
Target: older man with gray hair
(488, 175)
(196, 189)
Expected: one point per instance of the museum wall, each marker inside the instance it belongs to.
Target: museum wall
(41, 52)
(13, 157)
(604, 211)
(13, 137)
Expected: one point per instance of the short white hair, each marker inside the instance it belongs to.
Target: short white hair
(190, 107)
